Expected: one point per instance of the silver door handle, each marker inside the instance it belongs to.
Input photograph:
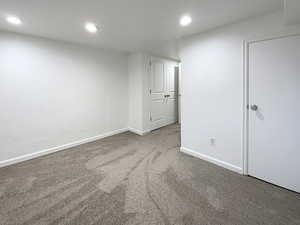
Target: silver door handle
(254, 107)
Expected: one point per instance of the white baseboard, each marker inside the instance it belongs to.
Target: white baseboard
(212, 160)
(138, 132)
(59, 148)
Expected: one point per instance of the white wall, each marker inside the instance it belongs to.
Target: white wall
(53, 93)
(166, 49)
(212, 89)
(135, 71)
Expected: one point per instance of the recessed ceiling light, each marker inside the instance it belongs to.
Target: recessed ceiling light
(185, 20)
(13, 20)
(91, 27)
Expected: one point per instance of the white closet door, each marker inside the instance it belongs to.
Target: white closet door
(158, 108)
(274, 116)
(171, 91)
(163, 86)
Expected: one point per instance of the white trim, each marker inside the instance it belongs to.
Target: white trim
(245, 145)
(245, 109)
(211, 160)
(59, 148)
(273, 37)
(138, 132)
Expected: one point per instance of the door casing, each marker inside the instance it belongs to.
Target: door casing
(245, 136)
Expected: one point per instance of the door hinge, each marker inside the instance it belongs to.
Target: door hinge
(150, 118)
(150, 91)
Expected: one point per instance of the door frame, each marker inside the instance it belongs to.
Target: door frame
(245, 135)
(149, 62)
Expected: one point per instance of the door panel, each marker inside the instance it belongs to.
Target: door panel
(171, 110)
(158, 78)
(158, 110)
(171, 90)
(171, 86)
(163, 94)
(274, 86)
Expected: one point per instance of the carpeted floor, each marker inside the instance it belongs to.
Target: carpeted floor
(128, 179)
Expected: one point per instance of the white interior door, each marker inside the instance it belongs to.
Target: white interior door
(178, 69)
(163, 92)
(171, 89)
(274, 126)
(157, 93)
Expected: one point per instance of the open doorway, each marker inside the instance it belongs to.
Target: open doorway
(164, 93)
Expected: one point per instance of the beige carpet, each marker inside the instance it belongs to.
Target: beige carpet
(128, 179)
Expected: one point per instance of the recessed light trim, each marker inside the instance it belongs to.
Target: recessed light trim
(185, 20)
(91, 27)
(13, 20)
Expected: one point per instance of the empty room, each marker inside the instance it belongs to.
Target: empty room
(150, 112)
